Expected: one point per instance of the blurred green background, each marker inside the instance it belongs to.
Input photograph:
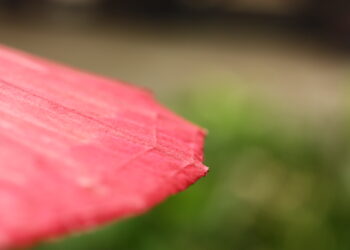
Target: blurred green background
(269, 80)
(277, 181)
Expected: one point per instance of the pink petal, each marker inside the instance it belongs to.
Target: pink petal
(77, 150)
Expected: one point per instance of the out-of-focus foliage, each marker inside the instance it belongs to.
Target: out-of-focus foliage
(276, 182)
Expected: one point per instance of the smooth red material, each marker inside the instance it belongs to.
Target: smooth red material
(77, 150)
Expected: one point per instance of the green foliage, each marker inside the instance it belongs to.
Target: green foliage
(276, 182)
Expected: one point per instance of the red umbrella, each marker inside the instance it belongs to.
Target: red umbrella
(77, 150)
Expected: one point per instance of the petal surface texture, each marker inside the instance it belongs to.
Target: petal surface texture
(78, 150)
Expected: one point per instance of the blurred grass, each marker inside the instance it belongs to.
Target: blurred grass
(276, 182)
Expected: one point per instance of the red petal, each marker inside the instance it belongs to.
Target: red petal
(77, 150)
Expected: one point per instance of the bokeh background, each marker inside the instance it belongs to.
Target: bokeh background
(269, 79)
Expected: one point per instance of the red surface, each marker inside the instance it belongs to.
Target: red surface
(77, 150)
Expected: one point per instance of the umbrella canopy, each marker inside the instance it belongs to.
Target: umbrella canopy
(77, 150)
